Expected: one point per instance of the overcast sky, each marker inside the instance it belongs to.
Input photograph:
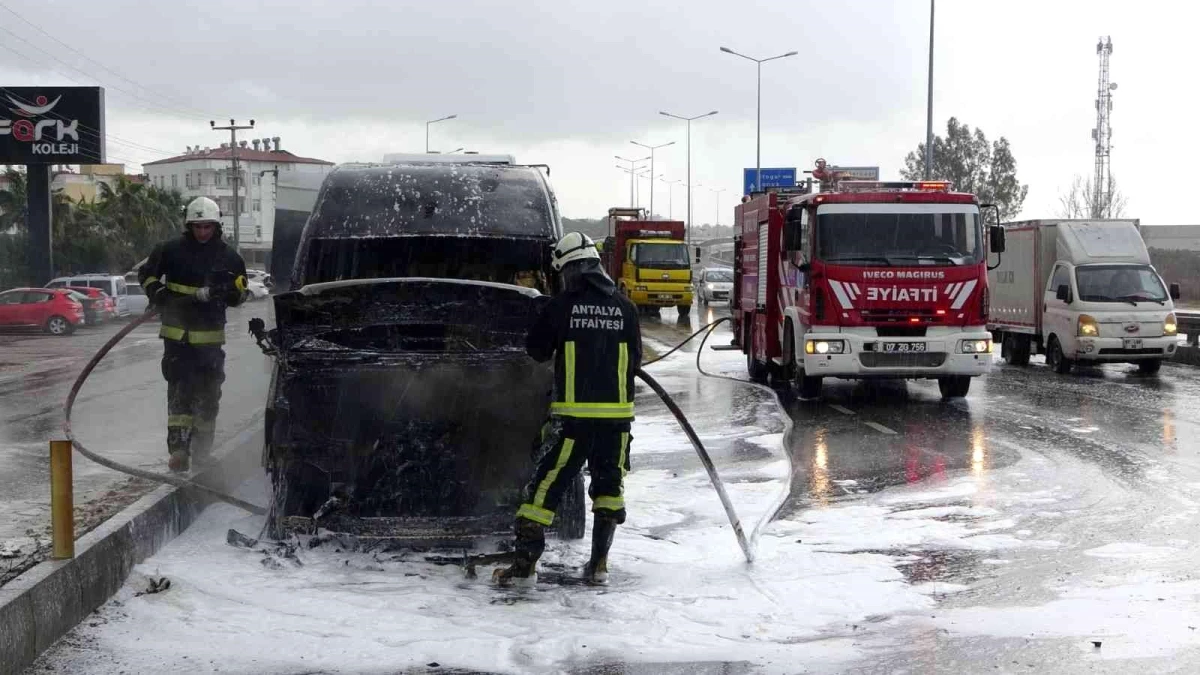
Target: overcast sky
(570, 82)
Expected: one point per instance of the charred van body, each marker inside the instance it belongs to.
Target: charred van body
(403, 405)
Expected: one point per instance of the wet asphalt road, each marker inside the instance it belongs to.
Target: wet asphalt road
(120, 412)
(1102, 458)
(1115, 459)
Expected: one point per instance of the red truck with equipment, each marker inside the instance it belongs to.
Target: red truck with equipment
(868, 280)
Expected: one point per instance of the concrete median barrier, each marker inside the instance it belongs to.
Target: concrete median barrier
(43, 604)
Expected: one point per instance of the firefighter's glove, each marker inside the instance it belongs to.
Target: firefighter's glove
(160, 297)
(204, 294)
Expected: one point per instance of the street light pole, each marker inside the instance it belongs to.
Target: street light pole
(929, 105)
(717, 192)
(671, 199)
(440, 119)
(688, 225)
(652, 148)
(632, 166)
(758, 123)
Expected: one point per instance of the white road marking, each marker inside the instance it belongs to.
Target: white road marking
(880, 428)
(844, 411)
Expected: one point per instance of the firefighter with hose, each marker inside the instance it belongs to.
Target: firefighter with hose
(591, 331)
(190, 281)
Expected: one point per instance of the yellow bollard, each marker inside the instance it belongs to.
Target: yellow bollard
(62, 500)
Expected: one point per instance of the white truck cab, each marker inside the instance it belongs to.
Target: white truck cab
(1099, 299)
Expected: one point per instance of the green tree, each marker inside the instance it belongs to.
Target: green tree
(965, 158)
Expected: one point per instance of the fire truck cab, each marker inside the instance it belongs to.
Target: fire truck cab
(869, 280)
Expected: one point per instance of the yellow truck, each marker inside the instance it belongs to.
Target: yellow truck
(649, 260)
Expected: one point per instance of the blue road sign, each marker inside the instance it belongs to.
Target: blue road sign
(776, 177)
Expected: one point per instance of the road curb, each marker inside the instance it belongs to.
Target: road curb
(43, 604)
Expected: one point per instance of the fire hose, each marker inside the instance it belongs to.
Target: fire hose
(746, 544)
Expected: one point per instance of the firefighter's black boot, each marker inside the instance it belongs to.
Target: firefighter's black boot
(530, 543)
(604, 526)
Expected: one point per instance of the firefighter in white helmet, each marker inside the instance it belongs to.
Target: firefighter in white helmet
(591, 331)
(190, 281)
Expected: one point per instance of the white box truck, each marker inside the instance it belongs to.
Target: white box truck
(1080, 291)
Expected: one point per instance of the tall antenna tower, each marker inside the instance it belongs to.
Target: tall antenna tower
(1102, 134)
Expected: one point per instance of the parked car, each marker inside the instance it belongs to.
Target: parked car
(136, 298)
(113, 284)
(105, 308)
(93, 308)
(258, 290)
(55, 311)
(714, 284)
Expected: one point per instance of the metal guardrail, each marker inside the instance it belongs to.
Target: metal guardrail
(1189, 324)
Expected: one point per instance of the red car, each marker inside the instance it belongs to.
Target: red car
(104, 307)
(50, 309)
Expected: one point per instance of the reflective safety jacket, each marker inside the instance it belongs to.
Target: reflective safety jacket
(596, 343)
(184, 266)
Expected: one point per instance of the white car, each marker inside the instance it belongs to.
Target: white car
(258, 290)
(136, 298)
(714, 284)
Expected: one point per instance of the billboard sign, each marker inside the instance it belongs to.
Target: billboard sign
(771, 178)
(857, 172)
(51, 125)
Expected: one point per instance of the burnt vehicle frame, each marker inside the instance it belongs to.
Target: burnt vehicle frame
(402, 406)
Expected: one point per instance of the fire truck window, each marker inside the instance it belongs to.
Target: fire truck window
(793, 231)
(898, 238)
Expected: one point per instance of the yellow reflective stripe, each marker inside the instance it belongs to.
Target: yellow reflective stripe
(195, 337)
(179, 420)
(206, 337)
(608, 503)
(180, 288)
(240, 283)
(622, 366)
(151, 280)
(564, 455)
(593, 410)
(569, 359)
(536, 514)
(621, 455)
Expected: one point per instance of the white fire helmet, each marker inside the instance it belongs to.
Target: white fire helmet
(202, 209)
(574, 246)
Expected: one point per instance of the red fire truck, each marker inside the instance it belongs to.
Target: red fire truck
(869, 280)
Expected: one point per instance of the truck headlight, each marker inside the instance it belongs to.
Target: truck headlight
(1170, 325)
(824, 346)
(976, 347)
(1087, 326)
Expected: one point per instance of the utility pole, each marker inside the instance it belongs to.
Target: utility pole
(233, 128)
(929, 105)
(652, 148)
(1102, 134)
(689, 120)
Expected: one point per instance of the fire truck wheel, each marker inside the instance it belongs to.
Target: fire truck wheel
(954, 386)
(808, 388)
(1056, 359)
(758, 372)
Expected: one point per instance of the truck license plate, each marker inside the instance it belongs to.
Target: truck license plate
(1131, 343)
(903, 347)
